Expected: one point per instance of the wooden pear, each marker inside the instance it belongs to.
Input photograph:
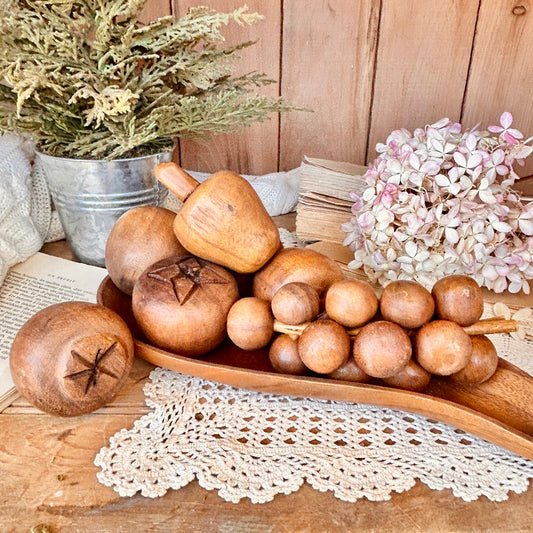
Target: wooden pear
(222, 219)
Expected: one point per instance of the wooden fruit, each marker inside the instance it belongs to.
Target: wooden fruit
(296, 264)
(406, 303)
(140, 237)
(222, 219)
(482, 364)
(442, 347)
(181, 304)
(351, 302)
(250, 323)
(349, 371)
(324, 346)
(284, 357)
(458, 298)
(411, 377)
(498, 410)
(381, 349)
(71, 358)
(295, 303)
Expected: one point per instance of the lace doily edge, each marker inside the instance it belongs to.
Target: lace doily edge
(212, 483)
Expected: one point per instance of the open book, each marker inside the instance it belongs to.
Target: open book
(30, 286)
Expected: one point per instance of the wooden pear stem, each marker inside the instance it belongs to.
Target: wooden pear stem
(176, 179)
(485, 326)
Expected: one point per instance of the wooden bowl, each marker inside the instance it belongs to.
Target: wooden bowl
(498, 410)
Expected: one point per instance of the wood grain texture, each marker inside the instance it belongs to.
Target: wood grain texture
(327, 66)
(255, 150)
(422, 63)
(48, 477)
(155, 9)
(501, 76)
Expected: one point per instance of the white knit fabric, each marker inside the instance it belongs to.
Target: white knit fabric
(23, 224)
(278, 191)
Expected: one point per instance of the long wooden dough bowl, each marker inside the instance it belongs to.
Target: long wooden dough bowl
(499, 410)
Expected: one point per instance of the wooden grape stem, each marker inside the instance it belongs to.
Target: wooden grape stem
(486, 326)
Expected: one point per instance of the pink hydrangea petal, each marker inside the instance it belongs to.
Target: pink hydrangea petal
(474, 160)
(455, 128)
(509, 138)
(430, 167)
(506, 119)
(515, 133)
(460, 159)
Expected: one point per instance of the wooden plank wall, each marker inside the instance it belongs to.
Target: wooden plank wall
(366, 67)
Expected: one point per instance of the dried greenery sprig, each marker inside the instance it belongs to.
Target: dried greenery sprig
(87, 79)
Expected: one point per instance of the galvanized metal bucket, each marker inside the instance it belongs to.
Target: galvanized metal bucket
(90, 195)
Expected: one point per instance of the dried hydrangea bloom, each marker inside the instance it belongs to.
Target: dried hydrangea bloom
(439, 201)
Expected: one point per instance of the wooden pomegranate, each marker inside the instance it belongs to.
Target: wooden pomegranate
(181, 304)
(295, 303)
(351, 302)
(324, 346)
(250, 323)
(222, 219)
(381, 349)
(458, 298)
(71, 358)
(296, 265)
(284, 357)
(140, 237)
(406, 303)
(442, 347)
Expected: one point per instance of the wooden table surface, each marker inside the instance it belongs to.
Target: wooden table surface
(48, 478)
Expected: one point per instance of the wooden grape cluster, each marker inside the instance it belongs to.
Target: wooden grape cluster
(400, 339)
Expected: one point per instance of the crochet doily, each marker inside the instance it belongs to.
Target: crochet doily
(254, 445)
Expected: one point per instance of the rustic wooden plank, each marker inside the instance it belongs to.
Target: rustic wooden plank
(155, 9)
(255, 150)
(327, 66)
(49, 477)
(501, 75)
(422, 64)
